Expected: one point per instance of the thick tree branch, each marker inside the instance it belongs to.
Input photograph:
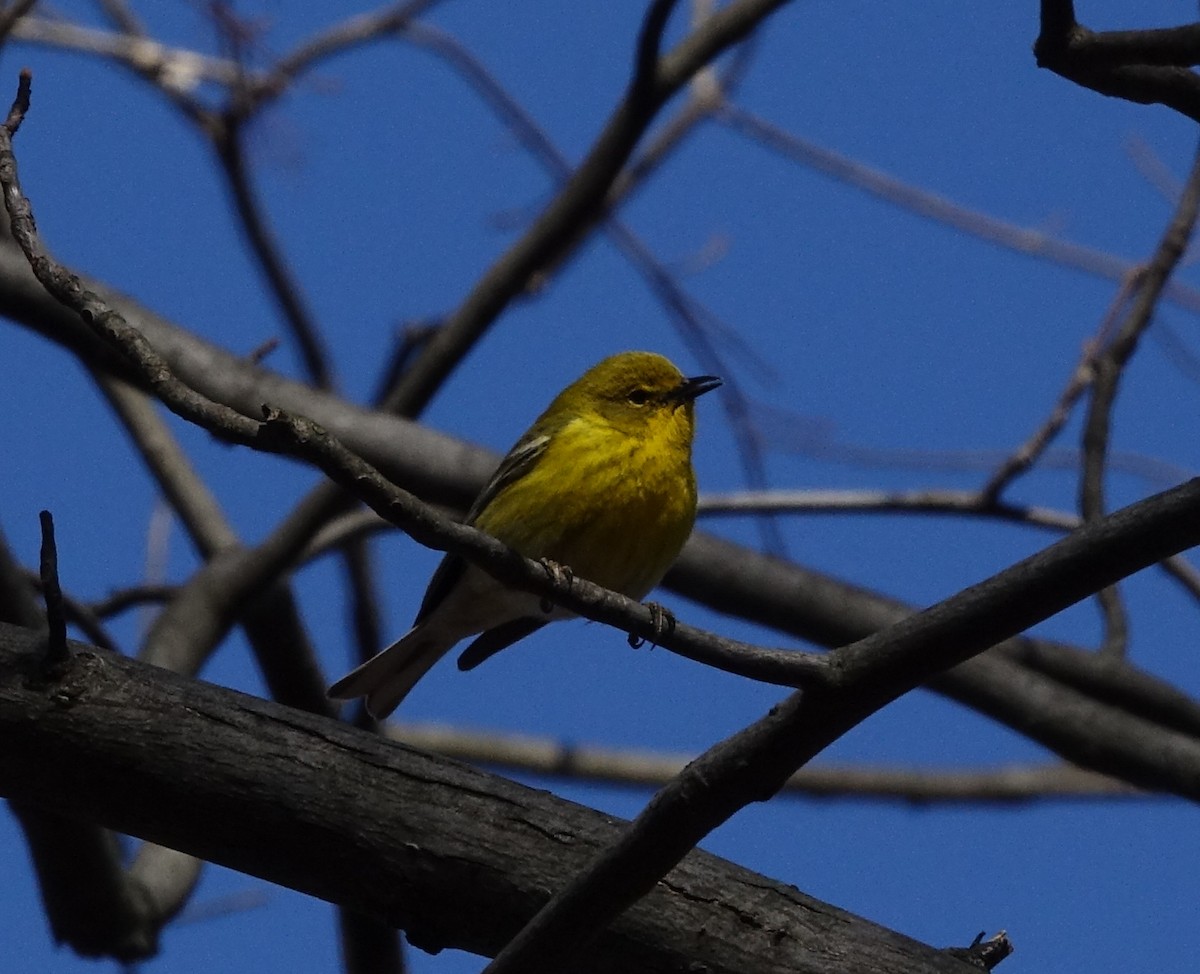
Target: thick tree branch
(1138, 66)
(454, 856)
(1164, 46)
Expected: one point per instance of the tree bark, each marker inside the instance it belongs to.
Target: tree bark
(454, 856)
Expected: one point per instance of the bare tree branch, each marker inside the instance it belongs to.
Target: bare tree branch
(314, 352)
(1013, 784)
(176, 72)
(354, 31)
(1109, 365)
(10, 15)
(1139, 66)
(155, 755)
(1026, 240)
(959, 502)
(1080, 381)
(171, 468)
(119, 12)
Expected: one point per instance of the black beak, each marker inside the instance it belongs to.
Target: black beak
(696, 386)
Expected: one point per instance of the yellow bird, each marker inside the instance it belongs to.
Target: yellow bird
(601, 484)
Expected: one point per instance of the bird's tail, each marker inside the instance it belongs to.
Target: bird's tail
(386, 677)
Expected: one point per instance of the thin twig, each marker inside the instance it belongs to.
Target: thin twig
(131, 598)
(1109, 366)
(790, 433)
(56, 620)
(120, 13)
(176, 72)
(412, 335)
(314, 352)
(169, 465)
(80, 614)
(1150, 164)
(1176, 349)
(364, 598)
(1081, 379)
(20, 105)
(933, 206)
(352, 32)
(965, 503)
(957, 502)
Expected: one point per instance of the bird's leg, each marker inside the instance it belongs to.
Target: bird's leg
(560, 575)
(663, 620)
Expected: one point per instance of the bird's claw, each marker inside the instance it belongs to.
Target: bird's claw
(663, 621)
(560, 575)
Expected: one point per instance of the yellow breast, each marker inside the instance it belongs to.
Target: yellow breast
(613, 507)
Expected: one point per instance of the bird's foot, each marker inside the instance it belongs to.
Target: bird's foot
(560, 575)
(663, 621)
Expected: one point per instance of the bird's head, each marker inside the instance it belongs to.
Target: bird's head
(641, 394)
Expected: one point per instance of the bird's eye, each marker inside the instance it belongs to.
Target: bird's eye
(639, 397)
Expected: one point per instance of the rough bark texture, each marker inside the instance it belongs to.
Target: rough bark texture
(454, 856)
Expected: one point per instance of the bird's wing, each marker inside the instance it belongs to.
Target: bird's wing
(519, 461)
(494, 640)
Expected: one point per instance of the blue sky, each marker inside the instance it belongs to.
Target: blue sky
(392, 187)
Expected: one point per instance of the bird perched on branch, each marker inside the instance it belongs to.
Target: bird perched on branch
(601, 484)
